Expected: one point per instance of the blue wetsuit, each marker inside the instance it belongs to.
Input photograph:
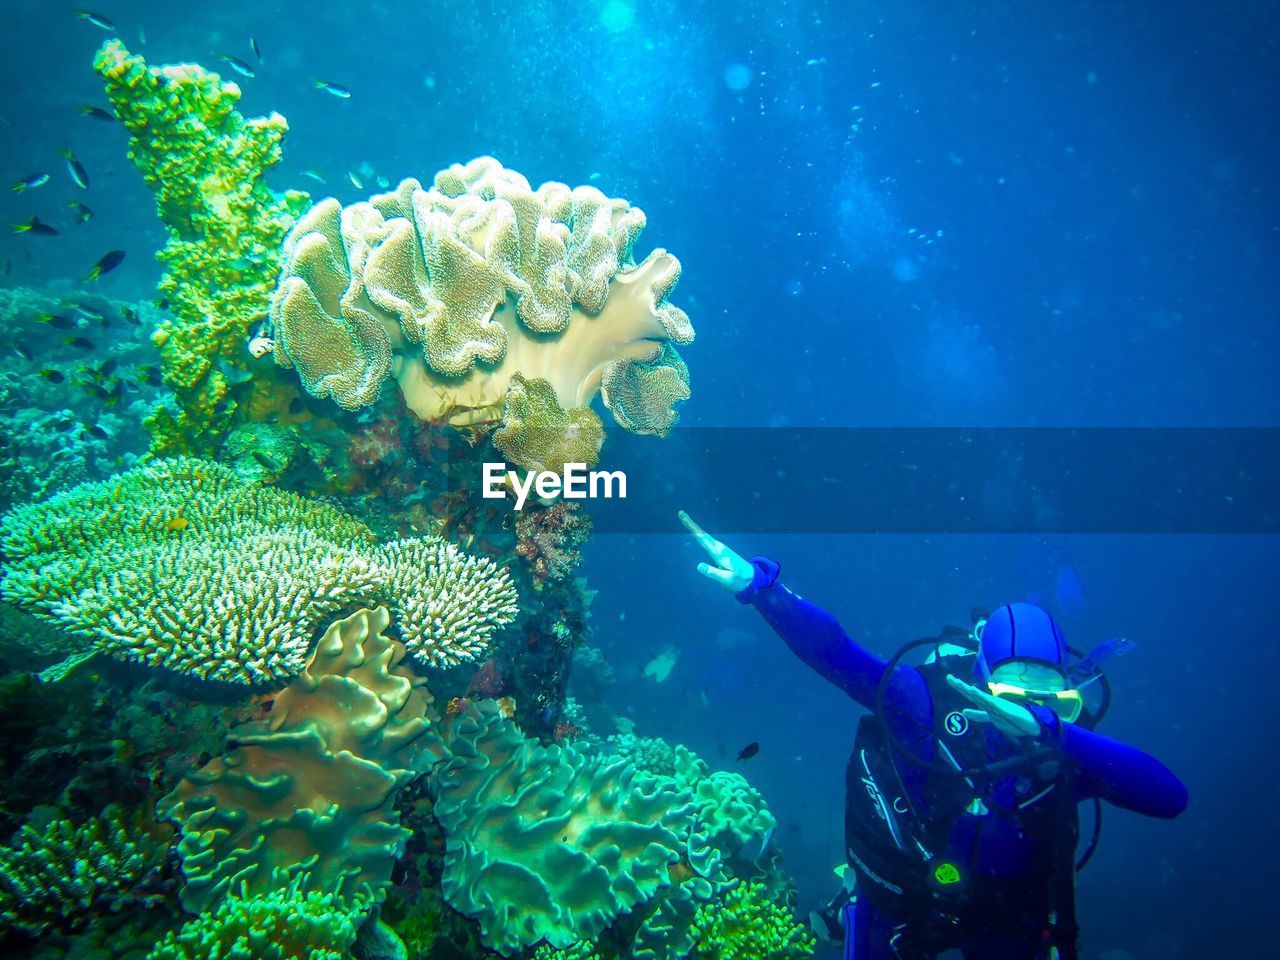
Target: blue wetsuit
(994, 849)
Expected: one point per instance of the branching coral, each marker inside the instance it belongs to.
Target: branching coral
(747, 925)
(550, 539)
(207, 166)
(456, 288)
(290, 922)
(545, 843)
(310, 789)
(182, 564)
(56, 876)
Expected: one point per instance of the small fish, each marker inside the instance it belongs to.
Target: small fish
(176, 524)
(314, 175)
(76, 169)
(238, 65)
(30, 182)
(257, 50)
(52, 375)
(264, 460)
(90, 314)
(333, 89)
(97, 19)
(109, 261)
(83, 213)
(355, 181)
(63, 424)
(97, 113)
(150, 376)
(94, 430)
(749, 751)
(56, 320)
(22, 351)
(36, 227)
(108, 367)
(295, 405)
(80, 343)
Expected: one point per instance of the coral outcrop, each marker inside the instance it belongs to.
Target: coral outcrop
(309, 791)
(207, 166)
(287, 923)
(58, 875)
(455, 288)
(748, 925)
(185, 565)
(545, 843)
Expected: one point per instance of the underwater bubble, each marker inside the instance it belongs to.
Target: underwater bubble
(795, 288)
(617, 16)
(737, 76)
(905, 270)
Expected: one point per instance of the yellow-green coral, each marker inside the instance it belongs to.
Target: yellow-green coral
(207, 165)
(747, 925)
(456, 288)
(183, 564)
(57, 875)
(290, 922)
(310, 789)
(539, 434)
(548, 844)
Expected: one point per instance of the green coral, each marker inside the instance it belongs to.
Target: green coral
(748, 925)
(539, 434)
(288, 923)
(545, 843)
(185, 565)
(56, 876)
(207, 165)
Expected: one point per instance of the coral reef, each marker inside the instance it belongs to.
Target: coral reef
(309, 790)
(454, 289)
(539, 434)
(207, 166)
(290, 922)
(550, 539)
(74, 385)
(547, 844)
(55, 876)
(182, 564)
(748, 925)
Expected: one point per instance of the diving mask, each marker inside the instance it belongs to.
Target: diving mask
(1065, 704)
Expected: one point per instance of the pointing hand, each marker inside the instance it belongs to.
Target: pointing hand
(727, 569)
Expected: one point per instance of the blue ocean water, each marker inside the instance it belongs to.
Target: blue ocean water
(892, 214)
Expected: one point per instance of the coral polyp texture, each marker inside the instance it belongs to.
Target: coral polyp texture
(546, 844)
(58, 875)
(309, 791)
(185, 565)
(206, 165)
(289, 923)
(454, 288)
(748, 925)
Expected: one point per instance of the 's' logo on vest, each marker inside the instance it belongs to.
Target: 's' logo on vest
(957, 723)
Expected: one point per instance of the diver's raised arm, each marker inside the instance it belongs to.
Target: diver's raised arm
(812, 634)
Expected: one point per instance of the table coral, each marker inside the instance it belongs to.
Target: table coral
(455, 288)
(183, 564)
(206, 165)
(309, 791)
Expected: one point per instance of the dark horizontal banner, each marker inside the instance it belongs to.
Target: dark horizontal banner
(891, 480)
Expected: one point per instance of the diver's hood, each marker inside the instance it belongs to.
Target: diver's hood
(1022, 631)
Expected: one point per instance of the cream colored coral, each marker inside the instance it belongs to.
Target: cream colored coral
(186, 566)
(471, 281)
(448, 601)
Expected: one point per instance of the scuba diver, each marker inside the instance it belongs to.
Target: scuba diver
(961, 821)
